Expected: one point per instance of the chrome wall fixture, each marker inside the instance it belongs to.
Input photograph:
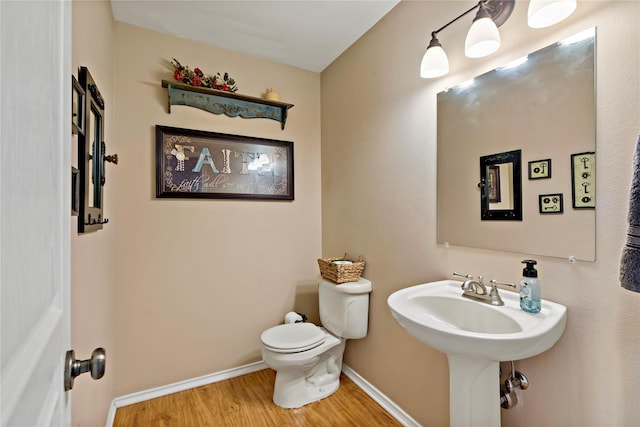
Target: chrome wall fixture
(483, 37)
(517, 380)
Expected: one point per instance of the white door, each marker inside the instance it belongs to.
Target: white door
(35, 186)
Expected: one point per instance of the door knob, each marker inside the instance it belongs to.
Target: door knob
(73, 367)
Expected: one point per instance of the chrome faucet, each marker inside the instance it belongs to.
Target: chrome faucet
(471, 286)
(475, 289)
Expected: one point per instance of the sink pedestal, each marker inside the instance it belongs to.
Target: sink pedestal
(474, 391)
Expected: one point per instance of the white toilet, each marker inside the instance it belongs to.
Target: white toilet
(307, 358)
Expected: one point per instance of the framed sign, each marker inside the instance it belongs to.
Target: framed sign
(583, 176)
(539, 169)
(550, 203)
(210, 165)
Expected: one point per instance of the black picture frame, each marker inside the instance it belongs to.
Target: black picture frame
(78, 115)
(211, 165)
(540, 169)
(583, 180)
(512, 162)
(91, 157)
(75, 191)
(550, 203)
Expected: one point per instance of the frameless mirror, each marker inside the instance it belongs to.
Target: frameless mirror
(542, 105)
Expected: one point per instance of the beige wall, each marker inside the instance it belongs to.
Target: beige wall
(379, 195)
(92, 254)
(197, 281)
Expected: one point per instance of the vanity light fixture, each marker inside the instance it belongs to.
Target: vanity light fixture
(483, 37)
(545, 13)
(434, 62)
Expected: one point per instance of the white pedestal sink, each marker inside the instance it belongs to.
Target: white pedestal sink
(476, 337)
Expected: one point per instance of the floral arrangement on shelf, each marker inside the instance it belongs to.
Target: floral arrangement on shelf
(197, 78)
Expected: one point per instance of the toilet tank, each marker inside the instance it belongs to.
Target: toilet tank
(344, 308)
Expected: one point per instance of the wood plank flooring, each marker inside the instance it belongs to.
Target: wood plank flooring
(246, 402)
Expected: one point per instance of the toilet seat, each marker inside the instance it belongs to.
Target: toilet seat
(292, 337)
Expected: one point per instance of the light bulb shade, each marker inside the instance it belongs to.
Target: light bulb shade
(434, 62)
(482, 39)
(544, 13)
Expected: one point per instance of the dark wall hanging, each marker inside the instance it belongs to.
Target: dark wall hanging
(77, 107)
(210, 165)
(501, 186)
(75, 191)
(91, 155)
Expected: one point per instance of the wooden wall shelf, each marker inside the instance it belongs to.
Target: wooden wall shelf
(227, 103)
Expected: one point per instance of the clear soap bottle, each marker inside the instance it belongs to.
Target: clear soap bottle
(530, 288)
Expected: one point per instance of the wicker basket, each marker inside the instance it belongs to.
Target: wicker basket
(341, 273)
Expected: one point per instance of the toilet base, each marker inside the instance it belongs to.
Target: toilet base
(315, 379)
(296, 392)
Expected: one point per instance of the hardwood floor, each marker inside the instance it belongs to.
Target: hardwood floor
(246, 402)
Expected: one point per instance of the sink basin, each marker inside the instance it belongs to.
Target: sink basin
(466, 315)
(437, 314)
(476, 337)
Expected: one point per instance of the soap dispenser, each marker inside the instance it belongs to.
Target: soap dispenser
(530, 288)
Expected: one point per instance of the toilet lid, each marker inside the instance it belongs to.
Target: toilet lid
(292, 337)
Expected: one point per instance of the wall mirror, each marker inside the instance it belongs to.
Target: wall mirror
(543, 106)
(91, 157)
(501, 186)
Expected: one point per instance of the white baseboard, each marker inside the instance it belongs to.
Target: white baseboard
(129, 399)
(141, 396)
(394, 410)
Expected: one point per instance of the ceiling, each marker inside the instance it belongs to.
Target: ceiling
(307, 34)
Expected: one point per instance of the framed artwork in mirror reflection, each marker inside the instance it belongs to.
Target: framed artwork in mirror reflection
(494, 184)
(540, 169)
(550, 203)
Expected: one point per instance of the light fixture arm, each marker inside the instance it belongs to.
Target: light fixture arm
(433, 34)
(483, 12)
(500, 11)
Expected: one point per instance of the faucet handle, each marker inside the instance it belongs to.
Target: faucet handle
(494, 284)
(466, 276)
(496, 299)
